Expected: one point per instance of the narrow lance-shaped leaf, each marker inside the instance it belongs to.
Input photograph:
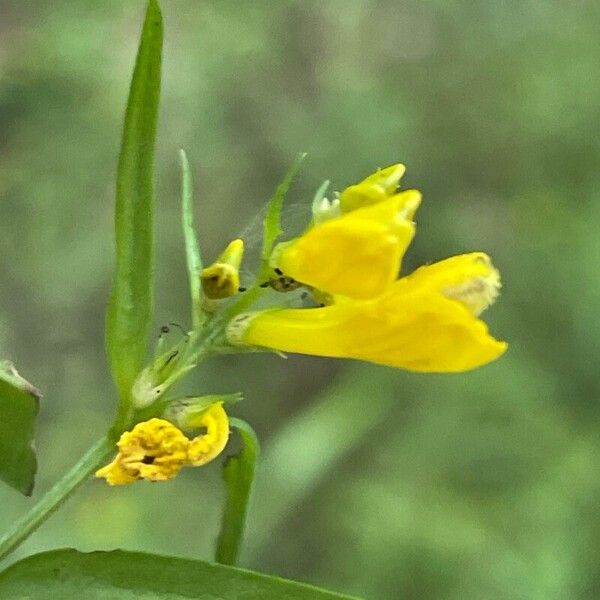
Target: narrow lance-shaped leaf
(192, 251)
(19, 402)
(131, 302)
(238, 472)
(272, 221)
(118, 574)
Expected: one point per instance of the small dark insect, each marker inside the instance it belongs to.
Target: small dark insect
(282, 283)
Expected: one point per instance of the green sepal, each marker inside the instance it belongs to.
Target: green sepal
(323, 209)
(272, 220)
(184, 412)
(192, 249)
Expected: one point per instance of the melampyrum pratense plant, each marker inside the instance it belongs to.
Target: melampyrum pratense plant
(351, 303)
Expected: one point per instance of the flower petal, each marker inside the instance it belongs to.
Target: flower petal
(356, 255)
(469, 278)
(209, 445)
(414, 326)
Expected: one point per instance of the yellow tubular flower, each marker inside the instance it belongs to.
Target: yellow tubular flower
(357, 254)
(156, 450)
(424, 322)
(222, 278)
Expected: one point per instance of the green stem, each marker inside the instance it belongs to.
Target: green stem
(238, 472)
(123, 419)
(245, 302)
(56, 495)
(200, 342)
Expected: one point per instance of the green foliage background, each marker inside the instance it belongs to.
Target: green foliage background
(373, 482)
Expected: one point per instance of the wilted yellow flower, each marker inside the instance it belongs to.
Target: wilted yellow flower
(157, 450)
(154, 450)
(208, 446)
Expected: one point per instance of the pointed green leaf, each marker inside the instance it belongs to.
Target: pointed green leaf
(130, 308)
(192, 251)
(272, 221)
(238, 472)
(129, 575)
(19, 402)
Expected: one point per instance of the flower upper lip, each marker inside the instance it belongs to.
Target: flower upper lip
(357, 254)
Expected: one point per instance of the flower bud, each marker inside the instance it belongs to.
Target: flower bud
(221, 279)
(373, 189)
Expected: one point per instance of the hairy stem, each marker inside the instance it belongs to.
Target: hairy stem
(56, 495)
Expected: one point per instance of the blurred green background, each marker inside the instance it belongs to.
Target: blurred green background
(376, 482)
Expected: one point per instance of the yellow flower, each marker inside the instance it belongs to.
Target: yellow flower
(351, 256)
(357, 254)
(222, 278)
(156, 450)
(424, 322)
